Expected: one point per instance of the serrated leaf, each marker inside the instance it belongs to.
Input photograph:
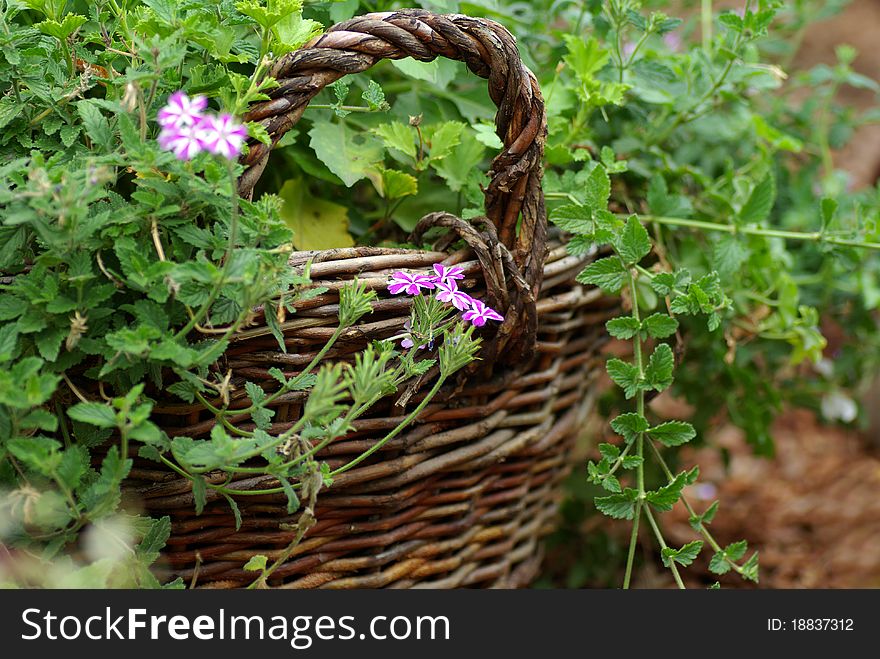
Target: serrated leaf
(729, 253)
(398, 136)
(609, 274)
(760, 202)
(624, 375)
(154, 539)
(631, 461)
(659, 325)
(684, 556)
(575, 219)
(665, 497)
(609, 451)
(236, 512)
(393, 184)
(673, 433)
(736, 550)
(200, 493)
(634, 243)
(658, 372)
(610, 483)
(698, 521)
(95, 414)
(442, 138)
(618, 506)
(625, 327)
(96, 124)
(256, 563)
(597, 189)
(629, 425)
(663, 283)
(750, 568)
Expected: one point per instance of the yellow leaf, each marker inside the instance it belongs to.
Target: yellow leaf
(316, 223)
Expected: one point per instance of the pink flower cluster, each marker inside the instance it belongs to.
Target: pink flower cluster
(188, 130)
(444, 282)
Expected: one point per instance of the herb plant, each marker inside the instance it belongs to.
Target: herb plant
(128, 261)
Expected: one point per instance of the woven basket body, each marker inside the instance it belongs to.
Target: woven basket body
(462, 496)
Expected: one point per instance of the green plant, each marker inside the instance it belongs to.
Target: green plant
(114, 254)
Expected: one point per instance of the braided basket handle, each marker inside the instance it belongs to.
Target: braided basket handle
(514, 200)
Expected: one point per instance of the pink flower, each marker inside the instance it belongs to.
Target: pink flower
(479, 313)
(221, 135)
(181, 110)
(182, 141)
(448, 292)
(448, 275)
(411, 284)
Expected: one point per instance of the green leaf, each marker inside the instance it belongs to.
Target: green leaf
(665, 497)
(8, 342)
(393, 184)
(442, 138)
(573, 218)
(684, 556)
(729, 254)
(673, 433)
(631, 461)
(316, 223)
(618, 506)
(200, 493)
(760, 202)
(625, 376)
(96, 414)
(629, 425)
(399, 137)
(633, 244)
(827, 207)
(585, 56)
(659, 325)
(256, 563)
(609, 274)
(374, 96)
(347, 155)
(750, 568)
(597, 189)
(290, 493)
(658, 372)
(154, 539)
(64, 29)
(719, 564)
(96, 124)
(698, 521)
(461, 166)
(625, 327)
(236, 512)
(40, 454)
(293, 31)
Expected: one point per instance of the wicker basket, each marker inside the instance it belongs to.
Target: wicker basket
(462, 497)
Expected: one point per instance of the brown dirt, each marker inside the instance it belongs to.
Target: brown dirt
(813, 511)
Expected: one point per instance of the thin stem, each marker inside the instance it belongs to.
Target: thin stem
(703, 530)
(663, 545)
(813, 236)
(706, 13)
(639, 441)
(215, 290)
(378, 445)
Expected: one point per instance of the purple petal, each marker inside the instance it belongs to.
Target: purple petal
(397, 288)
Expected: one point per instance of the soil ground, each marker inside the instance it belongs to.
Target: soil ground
(813, 511)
